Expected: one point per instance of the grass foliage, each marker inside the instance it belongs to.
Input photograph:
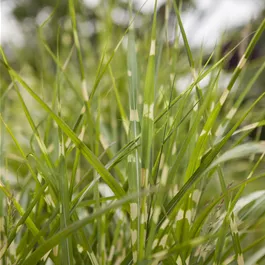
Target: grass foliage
(107, 157)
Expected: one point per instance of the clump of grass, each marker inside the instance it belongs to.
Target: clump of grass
(114, 165)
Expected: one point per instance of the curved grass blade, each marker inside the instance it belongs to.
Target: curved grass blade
(206, 162)
(87, 153)
(69, 230)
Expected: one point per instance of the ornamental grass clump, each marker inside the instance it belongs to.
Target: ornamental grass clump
(110, 160)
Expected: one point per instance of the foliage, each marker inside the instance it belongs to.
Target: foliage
(107, 157)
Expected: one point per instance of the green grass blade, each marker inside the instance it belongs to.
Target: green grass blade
(91, 158)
